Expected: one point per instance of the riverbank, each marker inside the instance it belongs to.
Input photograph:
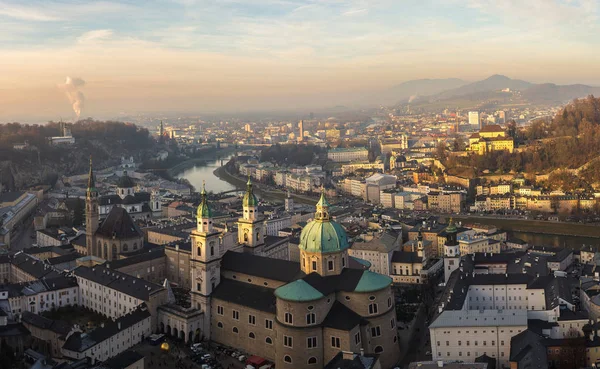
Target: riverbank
(536, 226)
(190, 163)
(240, 183)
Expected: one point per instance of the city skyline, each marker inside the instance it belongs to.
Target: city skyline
(242, 55)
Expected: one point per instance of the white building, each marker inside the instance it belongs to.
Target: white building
(474, 118)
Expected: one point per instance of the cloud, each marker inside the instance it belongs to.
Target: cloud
(27, 13)
(96, 35)
(353, 12)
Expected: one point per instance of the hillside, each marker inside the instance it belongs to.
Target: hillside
(419, 87)
(493, 83)
(551, 93)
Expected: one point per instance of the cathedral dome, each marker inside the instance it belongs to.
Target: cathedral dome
(323, 235)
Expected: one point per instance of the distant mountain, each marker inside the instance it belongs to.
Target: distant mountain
(493, 83)
(551, 93)
(418, 87)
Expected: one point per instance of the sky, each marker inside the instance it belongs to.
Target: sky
(241, 55)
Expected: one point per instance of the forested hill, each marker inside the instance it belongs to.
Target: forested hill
(41, 163)
(569, 140)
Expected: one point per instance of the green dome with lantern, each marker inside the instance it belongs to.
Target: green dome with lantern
(249, 198)
(322, 235)
(203, 209)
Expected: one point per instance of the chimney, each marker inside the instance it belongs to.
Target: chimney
(347, 355)
(362, 351)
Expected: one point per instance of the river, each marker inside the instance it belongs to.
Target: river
(538, 239)
(203, 171)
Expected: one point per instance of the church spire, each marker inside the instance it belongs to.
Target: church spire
(249, 198)
(91, 180)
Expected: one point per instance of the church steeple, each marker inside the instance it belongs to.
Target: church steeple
(92, 213)
(91, 180)
(204, 213)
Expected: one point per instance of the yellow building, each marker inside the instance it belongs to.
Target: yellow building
(490, 138)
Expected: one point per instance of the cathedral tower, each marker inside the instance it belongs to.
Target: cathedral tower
(207, 251)
(92, 215)
(251, 227)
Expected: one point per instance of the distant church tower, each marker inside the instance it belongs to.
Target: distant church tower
(451, 251)
(92, 215)
(205, 261)
(162, 132)
(289, 202)
(301, 131)
(251, 227)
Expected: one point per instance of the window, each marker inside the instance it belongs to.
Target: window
(312, 360)
(343, 262)
(330, 265)
(392, 323)
(357, 338)
(378, 349)
(314, 265)
(389, 302)
(220, 310)
(311, 342)
(251, 335)
(287, 341)
(287, 359)
(269, 341)
(235, 330)
(335, 342)
(235, 314)
(212, 250)
(373, 309)
(311, 318)
(252, 319)
(268, 324)
(199, 250)
(375, 331)
(288, 318)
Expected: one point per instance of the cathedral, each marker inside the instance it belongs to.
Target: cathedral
(246, 294)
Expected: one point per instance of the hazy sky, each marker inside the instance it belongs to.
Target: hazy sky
(219, 55)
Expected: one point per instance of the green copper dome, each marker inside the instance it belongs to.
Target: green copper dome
(323, 235)
(298, 291)
(125, 182)
(451, 227)
(203, 209)
(371, 282)
(249, 198)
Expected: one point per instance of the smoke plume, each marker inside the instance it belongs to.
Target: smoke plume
(71, 88)
(413, 98)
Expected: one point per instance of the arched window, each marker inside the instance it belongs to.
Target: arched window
(389, 302)
(245, 237)
(114, 251)
(220, 325)
(373, 309)
(212, 250)
(135, 246)
(199, 251)
(311, 318)
(258, 236)
(269, 341)
(235, 330)
(312, 360)
(251, 335)
(125, 247)
(378, 349)
(287, 359)
(288, 318)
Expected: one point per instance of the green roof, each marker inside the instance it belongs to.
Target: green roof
(249, 198)
(323, 237)
(299, 291)
(203, 209)
(125, 182)
(323, 200)
(364, 262)
(371, 282)
(451, 227)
